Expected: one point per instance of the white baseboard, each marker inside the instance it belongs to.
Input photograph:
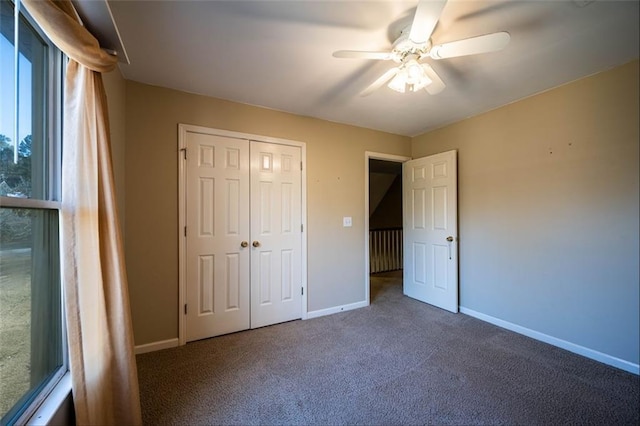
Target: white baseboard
(172, 343)
(156, 346)
(336, 309)
(571, 347)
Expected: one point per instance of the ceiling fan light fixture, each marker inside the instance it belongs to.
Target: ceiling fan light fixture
(411, 77)
(424, 82)
(414, 71)
(399, 82)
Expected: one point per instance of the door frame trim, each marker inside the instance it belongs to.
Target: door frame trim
(183, 129)
(370, 155)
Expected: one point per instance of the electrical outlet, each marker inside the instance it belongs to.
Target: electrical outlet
(347, 222)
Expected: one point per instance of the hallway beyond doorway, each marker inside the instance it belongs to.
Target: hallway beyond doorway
(383, 282)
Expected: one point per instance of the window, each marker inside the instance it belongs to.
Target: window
(32, 343)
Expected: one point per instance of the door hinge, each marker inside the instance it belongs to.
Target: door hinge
(185, 309)
(184, 151)
(301, 165)
(301, 228)
(302, 289)
(185, 231)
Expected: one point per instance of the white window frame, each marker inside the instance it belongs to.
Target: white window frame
(46, 404)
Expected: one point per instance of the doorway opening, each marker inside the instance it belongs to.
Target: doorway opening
(383, 213)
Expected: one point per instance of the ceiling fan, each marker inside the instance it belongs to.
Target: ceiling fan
(414, 45)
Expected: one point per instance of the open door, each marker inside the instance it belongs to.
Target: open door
(431, 230)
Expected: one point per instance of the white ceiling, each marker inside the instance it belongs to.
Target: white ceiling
(278, 54)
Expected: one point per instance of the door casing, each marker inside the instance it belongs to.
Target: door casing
(183, 129)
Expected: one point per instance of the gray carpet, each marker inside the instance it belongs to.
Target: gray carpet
(397, 361)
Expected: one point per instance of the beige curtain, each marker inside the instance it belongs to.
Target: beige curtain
(101, 357)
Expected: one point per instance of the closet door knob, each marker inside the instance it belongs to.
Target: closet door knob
(244, 244)
(256, 244)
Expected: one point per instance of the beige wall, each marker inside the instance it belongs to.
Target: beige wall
(335, 188)
(548, 204)
(548, 211)
(115, 86)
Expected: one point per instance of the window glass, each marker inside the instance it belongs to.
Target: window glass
(31, 327)
(27, 127)
(30, 333)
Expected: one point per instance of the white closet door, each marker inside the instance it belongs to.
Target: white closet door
(430, 230)
(217, 219)
(276, 235)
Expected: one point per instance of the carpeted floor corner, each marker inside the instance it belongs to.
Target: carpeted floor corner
(398, 361)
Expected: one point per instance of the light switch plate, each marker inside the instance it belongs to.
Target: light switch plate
(347, 222)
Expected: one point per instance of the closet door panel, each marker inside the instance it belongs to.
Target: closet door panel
(276, 220)
(217, 221)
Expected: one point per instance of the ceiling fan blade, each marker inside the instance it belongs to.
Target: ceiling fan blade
(425, 20)
(380, 81)
(471, 46)
(362, 55)
(437, 85)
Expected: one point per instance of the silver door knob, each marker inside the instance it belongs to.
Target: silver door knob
(256, 244)
(244, 244)
(449, 238)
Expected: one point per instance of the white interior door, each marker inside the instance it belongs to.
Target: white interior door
(217, 223)
(276, 234)
(430, 230)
